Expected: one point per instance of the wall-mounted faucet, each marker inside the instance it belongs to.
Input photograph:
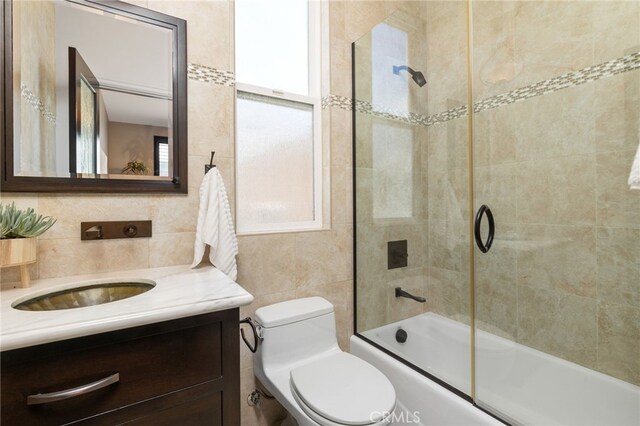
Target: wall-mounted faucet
(115, 229)
(401, 293)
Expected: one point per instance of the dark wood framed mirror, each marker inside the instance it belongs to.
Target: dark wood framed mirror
(89, 88)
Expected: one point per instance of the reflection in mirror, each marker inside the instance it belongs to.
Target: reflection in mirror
(85, 140)
(83, 134)
(160, 155)
(111, 74)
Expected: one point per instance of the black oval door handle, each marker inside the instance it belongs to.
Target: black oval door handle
(484, 247)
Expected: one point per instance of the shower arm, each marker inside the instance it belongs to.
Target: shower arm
(401, 293)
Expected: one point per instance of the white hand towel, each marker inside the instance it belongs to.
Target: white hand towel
(634, 176)
(215, 226)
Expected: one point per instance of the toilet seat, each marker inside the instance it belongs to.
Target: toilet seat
(341, 389)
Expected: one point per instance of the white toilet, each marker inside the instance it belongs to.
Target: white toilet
(300, 363)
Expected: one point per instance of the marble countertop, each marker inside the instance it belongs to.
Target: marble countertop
(179, 292)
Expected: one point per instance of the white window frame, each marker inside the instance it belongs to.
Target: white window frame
(313, 99)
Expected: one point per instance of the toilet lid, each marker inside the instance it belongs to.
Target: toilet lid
(344, 389)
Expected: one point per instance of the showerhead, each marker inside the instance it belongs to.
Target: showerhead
(416, 76)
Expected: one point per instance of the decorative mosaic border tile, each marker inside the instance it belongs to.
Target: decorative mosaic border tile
(575, 78)
(570, 79)
(365, 107)
(36, 103)
(450, 114)
(337, 101)
(211, 75)
(380, 111)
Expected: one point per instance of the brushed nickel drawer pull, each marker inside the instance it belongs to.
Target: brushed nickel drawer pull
(44, 398)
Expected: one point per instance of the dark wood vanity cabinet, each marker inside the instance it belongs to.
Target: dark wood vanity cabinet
(178, 372)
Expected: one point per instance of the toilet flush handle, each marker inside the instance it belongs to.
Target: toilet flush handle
(253, 348)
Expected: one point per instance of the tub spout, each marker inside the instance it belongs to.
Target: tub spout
(401, 293)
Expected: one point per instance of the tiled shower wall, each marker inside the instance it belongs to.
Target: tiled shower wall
(438, 262)
(273, 267)
(557, 98)
(390, 203)
(565, 274)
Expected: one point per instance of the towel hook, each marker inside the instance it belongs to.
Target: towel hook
(209, 166)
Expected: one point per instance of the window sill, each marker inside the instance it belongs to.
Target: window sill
(283, 231)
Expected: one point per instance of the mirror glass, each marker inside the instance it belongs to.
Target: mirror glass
(92, 93)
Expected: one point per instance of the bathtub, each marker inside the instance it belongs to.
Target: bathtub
(518, 383)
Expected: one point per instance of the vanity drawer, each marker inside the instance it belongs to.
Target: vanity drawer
(149, 361)
(198, 405)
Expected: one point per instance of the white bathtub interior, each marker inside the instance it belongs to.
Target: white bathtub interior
(421, 401)
(541, 389)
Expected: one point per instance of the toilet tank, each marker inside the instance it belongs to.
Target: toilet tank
(295, 330)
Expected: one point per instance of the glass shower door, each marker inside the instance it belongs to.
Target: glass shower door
(411, 180)
(556, 127)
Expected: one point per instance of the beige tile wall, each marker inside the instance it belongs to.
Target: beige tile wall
(446, 153)
(438, 264)
(564, 273)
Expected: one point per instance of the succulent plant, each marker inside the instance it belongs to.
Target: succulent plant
(16, 223)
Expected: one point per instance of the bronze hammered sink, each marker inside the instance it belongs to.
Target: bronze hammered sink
(85, 295)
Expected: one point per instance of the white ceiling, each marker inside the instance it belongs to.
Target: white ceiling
(125, 108)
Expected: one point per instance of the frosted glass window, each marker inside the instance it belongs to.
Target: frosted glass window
(272, 44)
(389, 49)
(275, 162)
(392, 171)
